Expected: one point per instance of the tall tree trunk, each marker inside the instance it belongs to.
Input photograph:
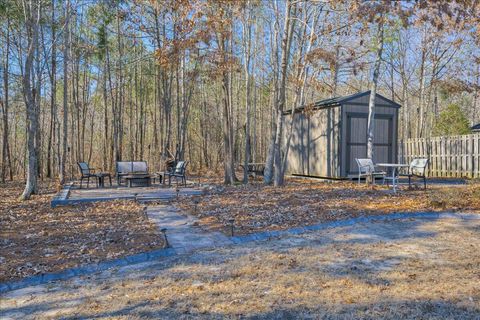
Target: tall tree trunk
(373, 91)
(286, 44)
(53, 89)
(66, 43)
(229, 169)
(247, 36)
(421, 107)
(6, 156)
(106, 161)
(274, 29)
(32, 20)
(227, 125)
(37, 98)
(302, 74)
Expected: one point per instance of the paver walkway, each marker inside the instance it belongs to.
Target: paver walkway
(182, 235)
(404, 268)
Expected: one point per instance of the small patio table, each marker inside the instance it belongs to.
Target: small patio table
(394, 167)
(101, 178)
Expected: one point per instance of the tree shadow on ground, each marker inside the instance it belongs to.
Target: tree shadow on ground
(344, 273)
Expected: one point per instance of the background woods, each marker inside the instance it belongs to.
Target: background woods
(100, 81)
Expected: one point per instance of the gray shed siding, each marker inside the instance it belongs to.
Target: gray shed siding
(312, 136)
(325, 143)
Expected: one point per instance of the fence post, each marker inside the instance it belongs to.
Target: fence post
(450, 156)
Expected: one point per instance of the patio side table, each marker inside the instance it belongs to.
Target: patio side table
(101, 179)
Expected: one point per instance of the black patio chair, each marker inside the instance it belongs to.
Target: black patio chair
(179, 172)
(87, 173)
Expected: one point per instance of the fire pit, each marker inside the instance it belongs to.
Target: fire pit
(138, 180)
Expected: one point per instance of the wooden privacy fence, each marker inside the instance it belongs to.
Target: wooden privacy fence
(449, 156)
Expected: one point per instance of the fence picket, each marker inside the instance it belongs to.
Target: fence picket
(450, 156)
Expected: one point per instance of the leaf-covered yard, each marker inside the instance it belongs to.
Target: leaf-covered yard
(402, 269)
(256, 207)
(36, 238)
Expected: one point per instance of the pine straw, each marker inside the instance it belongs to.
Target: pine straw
(36, 238)
(394, 270)
(256, 207)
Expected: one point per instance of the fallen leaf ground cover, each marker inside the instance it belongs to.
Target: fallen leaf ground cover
(256, 207)
(402, 269)
(35, 238)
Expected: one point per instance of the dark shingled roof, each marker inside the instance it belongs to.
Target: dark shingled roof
(334, 102)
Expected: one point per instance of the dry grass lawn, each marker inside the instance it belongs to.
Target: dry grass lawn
(408, 269)
(35, 238)
(303, 202)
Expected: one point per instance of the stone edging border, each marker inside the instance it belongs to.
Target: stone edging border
(265, 235)
(62, 196)
(86, 269)
(168, 252)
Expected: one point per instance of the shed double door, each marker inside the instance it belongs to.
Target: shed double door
(356, 139)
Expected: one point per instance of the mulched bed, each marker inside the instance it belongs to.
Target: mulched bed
(256, 207)
(35, 238)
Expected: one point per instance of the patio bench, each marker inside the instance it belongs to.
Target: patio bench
(127, 168)
(254, 169)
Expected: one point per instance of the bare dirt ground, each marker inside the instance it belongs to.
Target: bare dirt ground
(301, 202)
(35, 238)
(402, 269)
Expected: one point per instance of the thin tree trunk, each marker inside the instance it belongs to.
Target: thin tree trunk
(53, 85)
(421, 108)
(247, 36)
(373, 92)
(6, 156)
(106, 161)
(37, 98)
(66, 43)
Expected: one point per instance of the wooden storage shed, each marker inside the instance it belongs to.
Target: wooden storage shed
(328, 135)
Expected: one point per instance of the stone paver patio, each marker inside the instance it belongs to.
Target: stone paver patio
(72, 194)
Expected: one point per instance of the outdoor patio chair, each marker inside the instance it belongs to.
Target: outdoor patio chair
(179, 172)
(417, 168)
(86, 173)
(366, 169)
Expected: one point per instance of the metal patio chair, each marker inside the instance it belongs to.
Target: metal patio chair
(418, 169)
(86, 173)
(179, 172)
(366, 169)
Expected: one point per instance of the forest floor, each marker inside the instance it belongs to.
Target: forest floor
(399, 269)
(35, 238)
(301, 202)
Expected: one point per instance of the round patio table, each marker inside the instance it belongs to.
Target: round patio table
(393, 168)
